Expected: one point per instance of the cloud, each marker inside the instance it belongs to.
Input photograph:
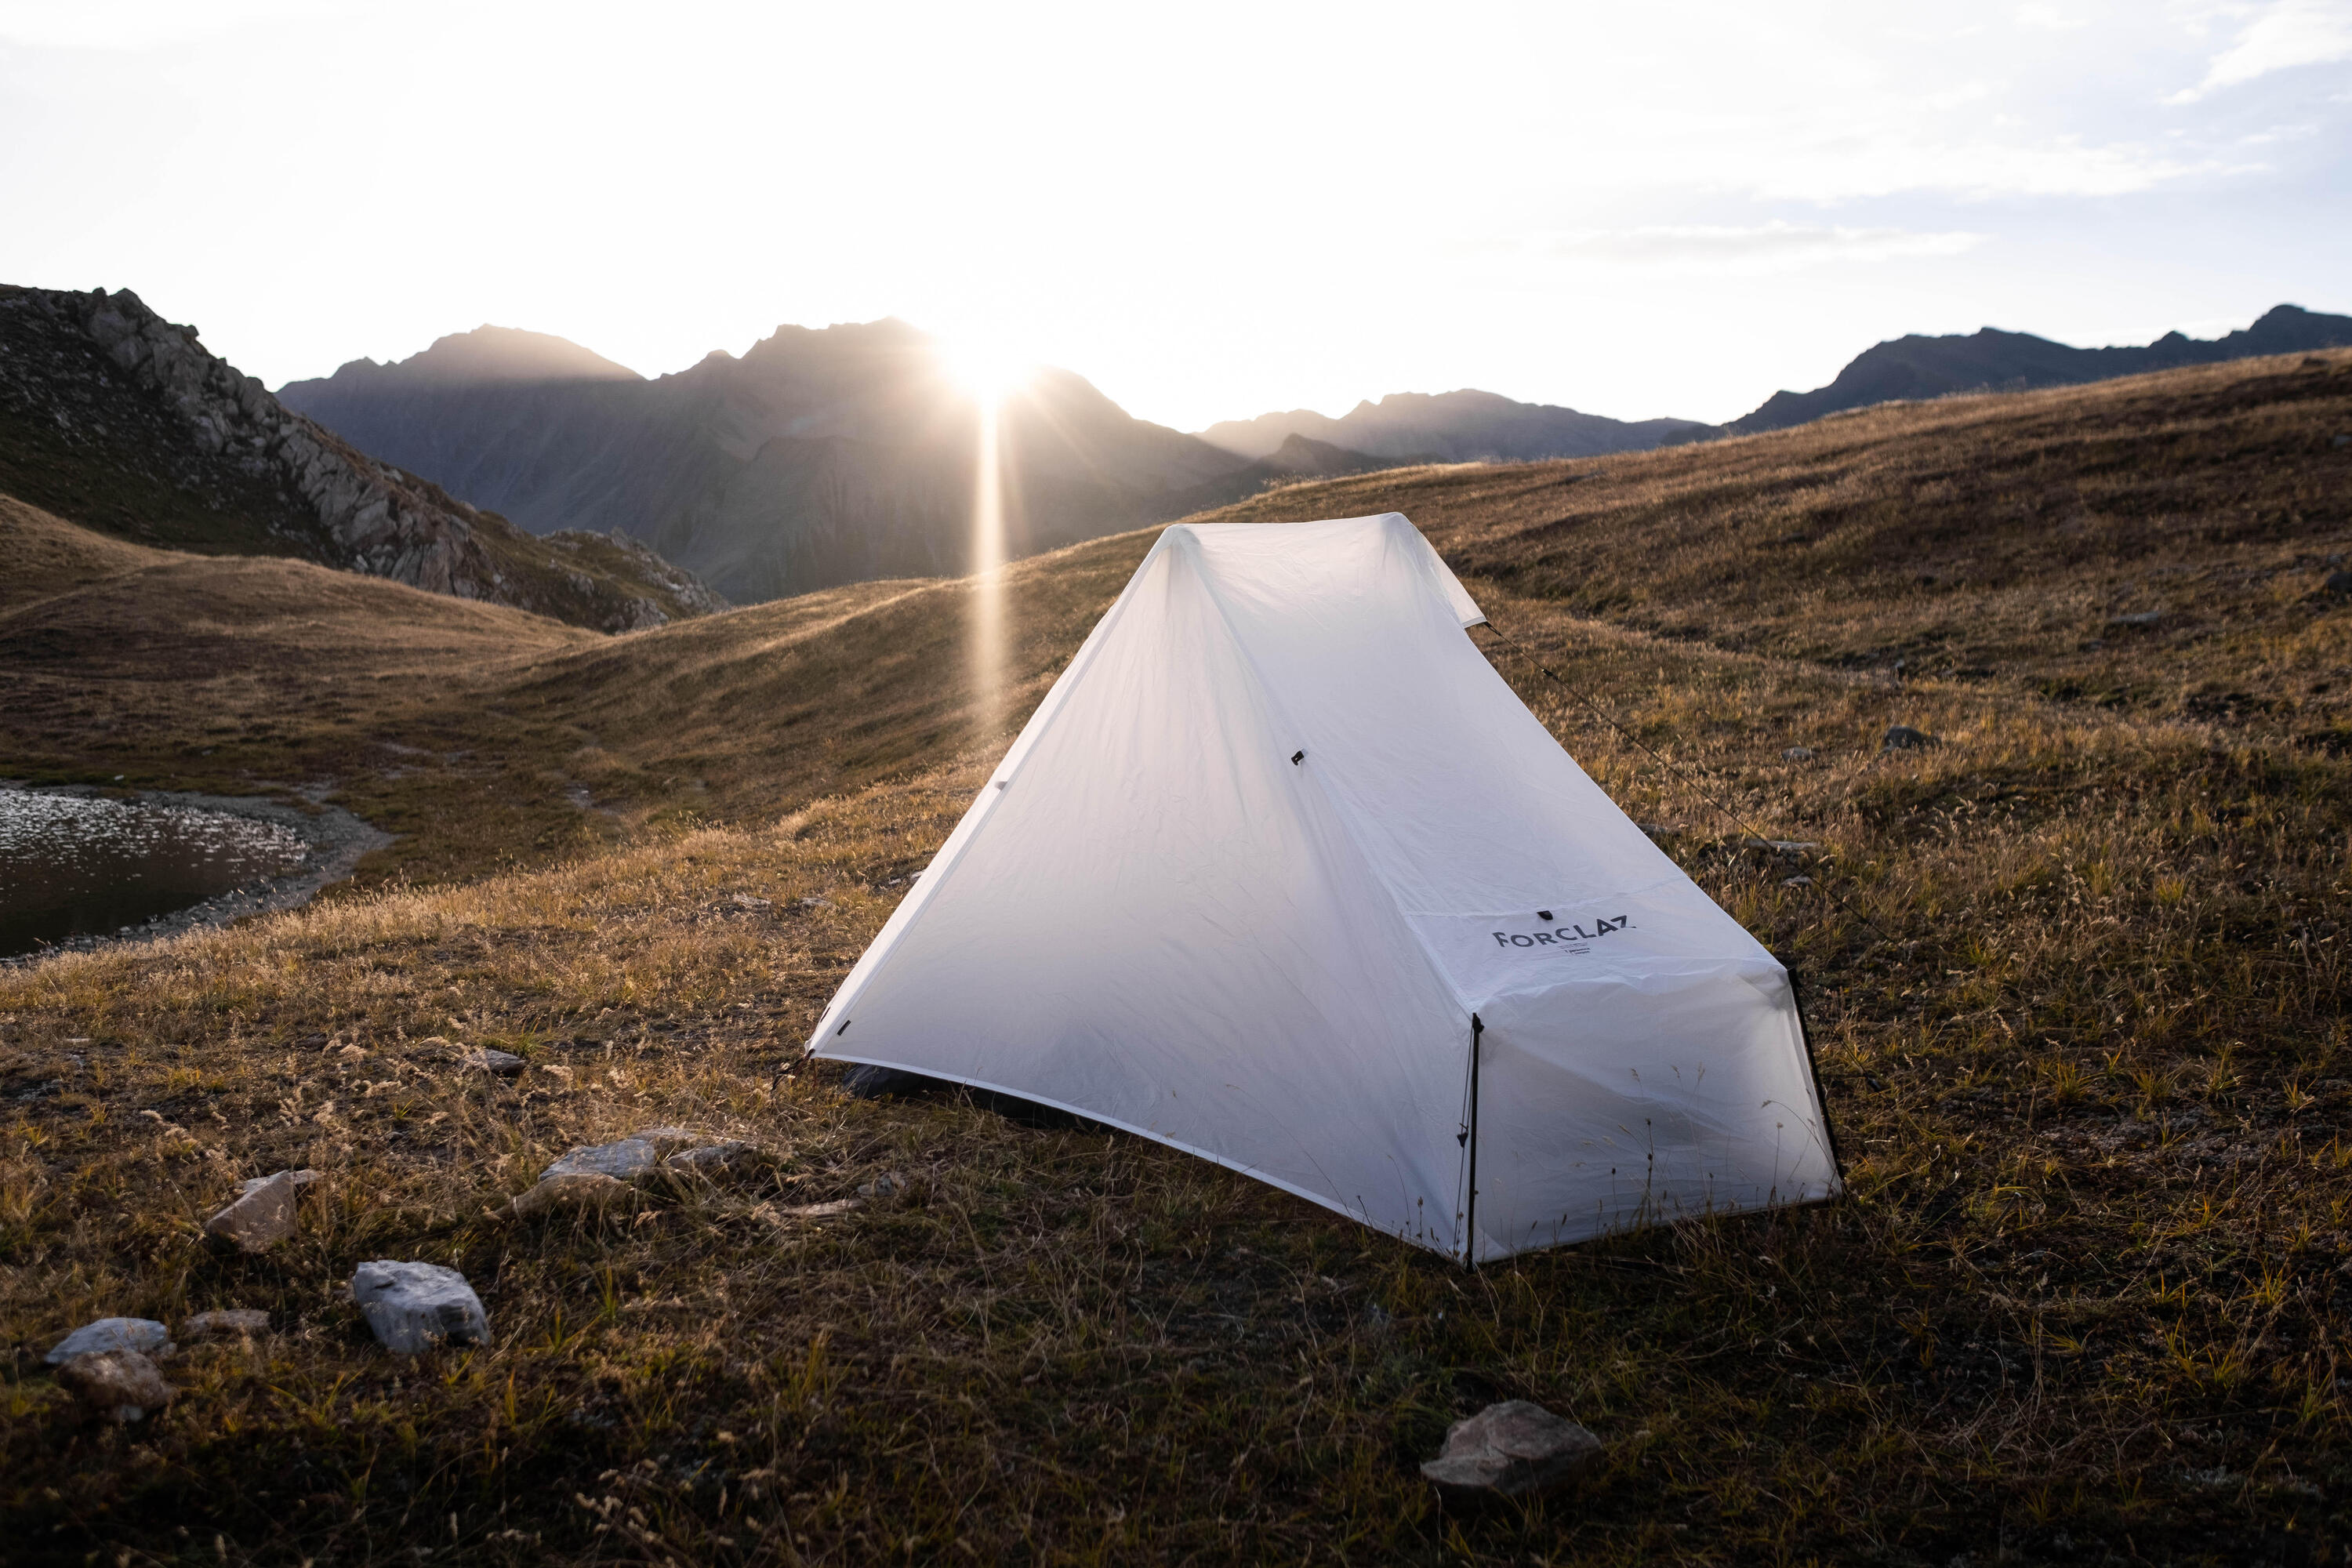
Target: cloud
(1890, 165)
(2049, 18)
(131, 24)
(2289, 33)
(1712, 248)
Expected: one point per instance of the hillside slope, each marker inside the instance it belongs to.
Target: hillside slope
(1990, 361)
(2074, 974)
(819, 457)
(113, 416)
(1452, 427)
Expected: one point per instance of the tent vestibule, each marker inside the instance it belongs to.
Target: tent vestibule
(1272, 840)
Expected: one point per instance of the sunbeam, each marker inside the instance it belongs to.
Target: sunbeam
(987, 651)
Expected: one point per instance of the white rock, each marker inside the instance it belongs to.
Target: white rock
(1511, 1449)
(263, 1215)
(110, 1334)
(413, 1306)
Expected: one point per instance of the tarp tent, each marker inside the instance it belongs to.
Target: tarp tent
(1274, 836)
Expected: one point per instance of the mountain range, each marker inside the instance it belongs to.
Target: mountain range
(823, 456)
(820, 456)
(113, 417)
(1990, 361)
(832, 455)
(1463, 426)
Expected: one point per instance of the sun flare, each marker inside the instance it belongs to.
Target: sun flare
(986, 370)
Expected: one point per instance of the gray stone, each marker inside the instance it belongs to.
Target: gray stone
(413, 1306)
(596, 1174)
(888, 1184)
(498, 1064)
(1903, 738)
(1511, 1449)
(2337, 582)
(118, 1385)
(2136, 619)
(110, 1334)
(1798, 754)
(713, 1159)
(569, 1189)
(263, 1215)
(623, 1160)
(227, 1323)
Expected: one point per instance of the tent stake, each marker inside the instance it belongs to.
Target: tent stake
(1470, 1220)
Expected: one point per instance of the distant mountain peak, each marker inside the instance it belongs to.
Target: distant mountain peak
(488, 353)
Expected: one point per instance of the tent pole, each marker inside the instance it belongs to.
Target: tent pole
(1470, 1220)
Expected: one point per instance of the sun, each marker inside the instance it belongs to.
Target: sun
(985, 368)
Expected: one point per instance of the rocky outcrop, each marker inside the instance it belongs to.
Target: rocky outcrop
(276, 480)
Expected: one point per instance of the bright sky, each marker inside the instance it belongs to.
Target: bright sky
(1210, 210)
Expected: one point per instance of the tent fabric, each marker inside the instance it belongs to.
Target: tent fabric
(1271, 840)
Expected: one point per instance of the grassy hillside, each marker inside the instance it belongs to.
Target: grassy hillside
(2079, 1003)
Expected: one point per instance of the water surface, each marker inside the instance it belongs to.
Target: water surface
(75, 866)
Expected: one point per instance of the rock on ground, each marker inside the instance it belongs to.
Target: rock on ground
(108, 1334)
(413, 1306)
(121, 1385)
(625, 1159)
(1511, 1449)
(226, 1322)
(712, 1159)
(263, 1214)
(1903, 738)
(569, 1189)
(598, 1173)
(498, 1064)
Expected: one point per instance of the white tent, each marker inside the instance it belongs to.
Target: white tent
(1274, 836)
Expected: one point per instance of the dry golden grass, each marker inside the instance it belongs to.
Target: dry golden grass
(2080, 1004)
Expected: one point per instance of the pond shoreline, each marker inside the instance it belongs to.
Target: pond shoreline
(335, 841)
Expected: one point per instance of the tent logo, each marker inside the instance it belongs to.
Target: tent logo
(1569, 935)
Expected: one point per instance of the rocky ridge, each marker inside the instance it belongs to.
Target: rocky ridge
(113, 416)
